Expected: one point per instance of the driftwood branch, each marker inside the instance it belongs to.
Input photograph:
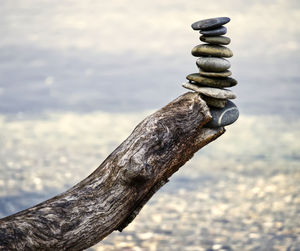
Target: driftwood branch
(111, 197)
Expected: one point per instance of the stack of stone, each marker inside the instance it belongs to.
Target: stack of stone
(213, 74)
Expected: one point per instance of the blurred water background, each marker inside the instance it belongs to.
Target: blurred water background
(77, 76)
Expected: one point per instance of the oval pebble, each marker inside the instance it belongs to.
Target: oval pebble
(214, 102)
(224, 116)
(221, 74)
(215, 32)
(210, 23)
(215, 40)
(211, 50)
(212, 82)
(210, 92)
(213, 64)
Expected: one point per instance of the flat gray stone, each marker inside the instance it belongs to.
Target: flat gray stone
(213, 64)
(223, 117)
(210, 92)
(215, 40)
(211, 50)
(214, 102)
(221, 74)
(210, 23)
(211, 82)
(215, 32)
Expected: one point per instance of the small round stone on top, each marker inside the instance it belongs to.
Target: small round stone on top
(210, 23)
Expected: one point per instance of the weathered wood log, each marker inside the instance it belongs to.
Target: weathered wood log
(114, 193)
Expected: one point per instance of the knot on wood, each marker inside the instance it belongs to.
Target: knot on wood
(136, 172)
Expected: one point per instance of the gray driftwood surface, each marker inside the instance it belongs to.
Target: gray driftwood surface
(111, 197)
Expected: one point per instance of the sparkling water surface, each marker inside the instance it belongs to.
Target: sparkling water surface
(77, 76)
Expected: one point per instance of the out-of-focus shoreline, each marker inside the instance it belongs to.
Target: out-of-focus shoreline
(239, 192)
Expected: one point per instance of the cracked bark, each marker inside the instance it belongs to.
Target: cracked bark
(111, 197)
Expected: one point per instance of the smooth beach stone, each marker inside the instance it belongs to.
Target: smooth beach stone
(221, 74)
(215, 32)
(211, 92)
(211, 82)
(213, 64)
(215, 39)
(223, 117)
(214, 102)
(211, 50)
(210, 23)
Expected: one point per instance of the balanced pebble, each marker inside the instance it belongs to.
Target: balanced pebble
(215, 32)
(222, 74)
(212, 82)
(211, 50)
(211, 92)
(214, 102)
(213, 64)
(213, 75)
(215, 39)
(210, 23)
(223, 117)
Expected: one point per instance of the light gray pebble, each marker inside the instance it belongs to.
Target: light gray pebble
(210, 92)
(213, 64)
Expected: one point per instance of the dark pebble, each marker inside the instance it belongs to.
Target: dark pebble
(223, 117)
(212, 82)
(210, 23)
(215, 32)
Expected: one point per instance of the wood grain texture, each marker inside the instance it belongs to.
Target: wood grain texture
(111, 197)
